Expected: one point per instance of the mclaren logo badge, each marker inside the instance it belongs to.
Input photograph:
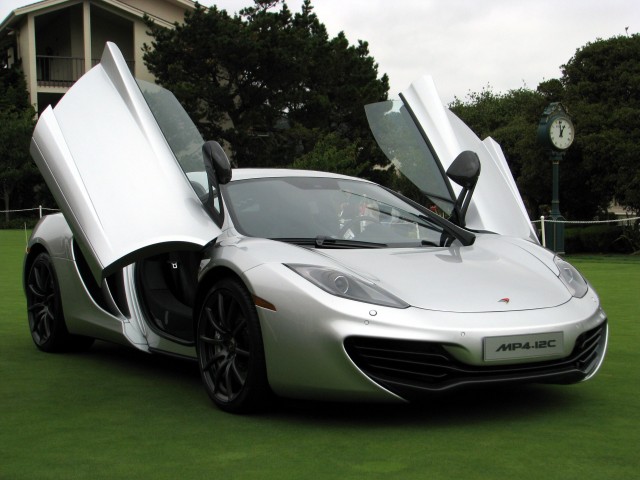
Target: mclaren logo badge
(504, 300)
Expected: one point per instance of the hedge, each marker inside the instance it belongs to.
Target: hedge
(597, 239)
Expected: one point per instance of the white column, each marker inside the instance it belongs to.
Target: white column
(86, 35)
(29, 61)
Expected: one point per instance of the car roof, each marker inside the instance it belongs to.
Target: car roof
(253, 173)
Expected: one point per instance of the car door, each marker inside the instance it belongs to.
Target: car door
(118, 170)
(422, 138)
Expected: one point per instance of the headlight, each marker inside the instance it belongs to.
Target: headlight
(348, 286)
(571, 278)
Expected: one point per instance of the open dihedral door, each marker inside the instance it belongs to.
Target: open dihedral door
(422, 138)
(113, 173)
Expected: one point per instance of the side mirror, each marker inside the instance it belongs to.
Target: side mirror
(465, 171)
(216, 162)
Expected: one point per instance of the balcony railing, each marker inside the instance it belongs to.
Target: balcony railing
(58, 71)
(63, 71)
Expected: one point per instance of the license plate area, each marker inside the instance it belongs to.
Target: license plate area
(514, 347)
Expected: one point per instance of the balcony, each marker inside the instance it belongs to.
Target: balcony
(58, 71)
(54, 71)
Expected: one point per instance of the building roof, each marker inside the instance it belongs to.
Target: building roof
(16, 15)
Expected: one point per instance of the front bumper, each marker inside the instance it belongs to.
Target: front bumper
(411, 369)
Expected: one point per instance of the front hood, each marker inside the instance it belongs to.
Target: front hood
(493, 274)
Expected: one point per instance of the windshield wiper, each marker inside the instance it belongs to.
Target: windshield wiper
(329, 242)
(322, 241)
(465, 237)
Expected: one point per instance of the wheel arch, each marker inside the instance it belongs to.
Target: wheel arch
(206, 282)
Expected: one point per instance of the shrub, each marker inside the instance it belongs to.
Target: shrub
(596, 239)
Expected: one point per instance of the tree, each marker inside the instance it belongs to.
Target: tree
(602, 89)
(267, 82)
(17, 119)
(331, 153)
(589, 169)
(600, 86)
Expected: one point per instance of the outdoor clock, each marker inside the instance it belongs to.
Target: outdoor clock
(561, 132)
(555, 129)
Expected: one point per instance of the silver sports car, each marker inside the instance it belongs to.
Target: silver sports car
(299, 283)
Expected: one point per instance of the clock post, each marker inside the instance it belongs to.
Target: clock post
(556, 231)
(556, 133)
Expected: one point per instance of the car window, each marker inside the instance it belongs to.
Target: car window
(407, 149)
(178, 129)
(312, 207)
(185, 142)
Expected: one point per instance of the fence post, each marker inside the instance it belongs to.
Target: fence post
(40, 210)
(544, 238)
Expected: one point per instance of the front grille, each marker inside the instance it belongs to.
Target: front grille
(409, 368)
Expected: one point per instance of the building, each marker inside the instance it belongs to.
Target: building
(58, 40)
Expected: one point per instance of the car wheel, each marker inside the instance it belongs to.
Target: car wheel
(44, 307)
(230, 350)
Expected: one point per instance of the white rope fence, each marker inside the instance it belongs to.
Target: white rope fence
(40, 209)
(624, 220)
(543, 221)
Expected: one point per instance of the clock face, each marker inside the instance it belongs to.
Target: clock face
(561, 133)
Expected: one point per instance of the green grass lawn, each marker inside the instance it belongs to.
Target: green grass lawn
(115, 413)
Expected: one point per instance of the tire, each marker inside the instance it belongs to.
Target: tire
(230, 349)
(44, 310)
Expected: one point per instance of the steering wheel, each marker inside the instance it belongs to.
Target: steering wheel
(349, 225)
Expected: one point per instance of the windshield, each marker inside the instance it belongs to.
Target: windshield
(406, 148)
(319, 209)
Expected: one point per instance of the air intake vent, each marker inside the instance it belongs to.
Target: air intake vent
(409, 368)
